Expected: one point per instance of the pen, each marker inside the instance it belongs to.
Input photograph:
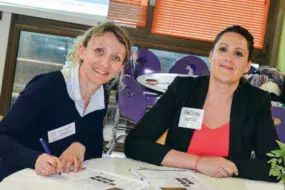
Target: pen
(46, 148)
(154, 169)
(138, 175)
(83, 168)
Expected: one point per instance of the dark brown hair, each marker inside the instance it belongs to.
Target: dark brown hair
(239, 30)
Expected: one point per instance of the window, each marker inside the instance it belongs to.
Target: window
(38, 53)
(128, 12)
(78, 7)
(167, 59)
(204, 19)
(141, 37)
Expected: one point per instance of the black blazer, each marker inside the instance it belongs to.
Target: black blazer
(251, 126)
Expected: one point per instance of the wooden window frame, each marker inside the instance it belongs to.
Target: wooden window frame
(141, 37)
(30, 24)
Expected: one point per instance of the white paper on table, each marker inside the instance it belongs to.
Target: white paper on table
(91, 179)
(262, 185)
(173, 178)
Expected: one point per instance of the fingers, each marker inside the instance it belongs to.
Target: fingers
(235, 169)
(43, 172)
(217, 167)
(58, 165)
(46, 170)
(49, 169)
(63, 162)
(217, 174)
(68, 165)
(52, 162)
(80, 166)
(76, 164)
(224, 172)
(73, 155)
(80, 160)
(46, 165)
(231, 167)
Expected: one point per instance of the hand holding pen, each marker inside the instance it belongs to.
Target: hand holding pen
(47, 164)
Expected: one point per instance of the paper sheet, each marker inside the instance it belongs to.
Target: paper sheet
(99, 180)
(173, 178)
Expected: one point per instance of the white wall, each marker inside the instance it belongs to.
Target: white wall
(4, 36)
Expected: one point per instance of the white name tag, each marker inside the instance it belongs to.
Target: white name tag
(61, 133)
(191, 118)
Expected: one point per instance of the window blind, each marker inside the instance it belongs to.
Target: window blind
(128, 12)
(204, 19)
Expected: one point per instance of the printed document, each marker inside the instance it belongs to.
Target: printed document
(169, 178)
(91, 179)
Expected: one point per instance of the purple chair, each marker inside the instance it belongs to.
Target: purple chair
(132, 106)
(278, 115)
(147, 62)
(131, 100)
(191, 65)
(130, 67)
(251, 70)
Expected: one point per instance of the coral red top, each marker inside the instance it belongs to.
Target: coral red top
(210, 142)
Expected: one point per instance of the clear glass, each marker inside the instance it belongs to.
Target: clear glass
(38, 53)
(79, 7)
(167, 59)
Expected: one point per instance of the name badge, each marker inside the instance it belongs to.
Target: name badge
(61, 133)
(191, 118)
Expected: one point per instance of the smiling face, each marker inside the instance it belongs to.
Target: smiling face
(229, 58)
(103, 58)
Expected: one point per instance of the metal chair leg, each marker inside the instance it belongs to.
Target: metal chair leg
(108, 148)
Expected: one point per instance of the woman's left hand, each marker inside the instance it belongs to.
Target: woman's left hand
(73, 155)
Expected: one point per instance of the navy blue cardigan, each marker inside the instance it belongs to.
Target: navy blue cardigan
(42, 106)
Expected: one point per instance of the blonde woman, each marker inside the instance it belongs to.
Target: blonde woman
(64, 108)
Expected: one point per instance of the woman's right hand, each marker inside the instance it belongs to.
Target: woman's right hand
(47, 165)
(216, 167)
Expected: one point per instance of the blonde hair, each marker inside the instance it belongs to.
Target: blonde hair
(99, 30)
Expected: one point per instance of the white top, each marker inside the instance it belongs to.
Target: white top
(71, 77)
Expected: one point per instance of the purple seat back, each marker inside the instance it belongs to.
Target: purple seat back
(190, 65)
(129, 70)
(278, 115)
(251, 70)
(131, 100)
(130, 67)
(147, 62)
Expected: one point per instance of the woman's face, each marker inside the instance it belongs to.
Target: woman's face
(229, 59)
(103, 58)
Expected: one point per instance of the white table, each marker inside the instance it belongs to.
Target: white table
(28, 179)
(163, 80)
